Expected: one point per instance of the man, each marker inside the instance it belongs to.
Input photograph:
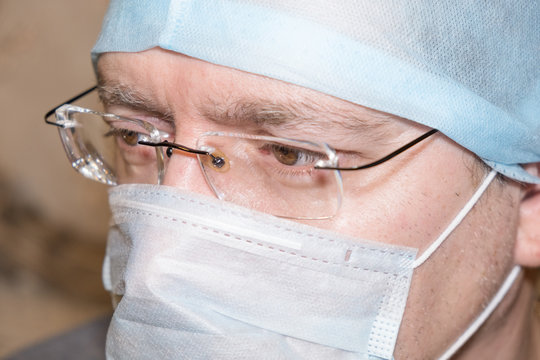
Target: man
(345, 226)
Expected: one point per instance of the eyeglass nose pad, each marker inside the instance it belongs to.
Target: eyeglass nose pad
(216, 161)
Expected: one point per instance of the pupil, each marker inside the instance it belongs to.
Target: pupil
(130, 138)
(285, 155)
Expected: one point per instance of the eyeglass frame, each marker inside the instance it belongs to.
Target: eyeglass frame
(171, 145)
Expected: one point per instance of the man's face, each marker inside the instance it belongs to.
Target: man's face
(407, 201)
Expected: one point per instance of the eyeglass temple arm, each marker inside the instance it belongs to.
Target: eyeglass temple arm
(217, 160)
(386, 158)
(170, 145)
(75, 98)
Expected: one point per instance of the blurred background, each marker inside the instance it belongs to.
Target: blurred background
(53, 223)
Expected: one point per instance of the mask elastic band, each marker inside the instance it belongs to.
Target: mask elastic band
(484, 314)
(457, 220)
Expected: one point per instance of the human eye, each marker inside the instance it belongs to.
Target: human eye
(126, 136)
(264, 167)
(133, 162)
(290, 163)
(292, 156)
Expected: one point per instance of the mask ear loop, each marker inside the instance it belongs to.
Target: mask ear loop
(457, 220)
(501, 293)
(503, 290)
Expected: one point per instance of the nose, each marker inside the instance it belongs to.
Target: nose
(184, 172)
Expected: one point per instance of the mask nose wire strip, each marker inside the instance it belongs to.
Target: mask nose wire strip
(457, 220)
(484, 314)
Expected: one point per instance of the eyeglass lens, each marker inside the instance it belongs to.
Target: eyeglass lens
(246, 170)
(259, 169)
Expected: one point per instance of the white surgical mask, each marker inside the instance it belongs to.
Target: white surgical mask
(205, 279)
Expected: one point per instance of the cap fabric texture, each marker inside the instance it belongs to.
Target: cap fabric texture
(468, 68)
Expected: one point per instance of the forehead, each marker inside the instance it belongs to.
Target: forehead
(173, 70)
(163, 76)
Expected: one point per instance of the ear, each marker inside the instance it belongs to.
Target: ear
(527, 249)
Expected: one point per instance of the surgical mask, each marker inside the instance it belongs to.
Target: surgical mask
(205, 279)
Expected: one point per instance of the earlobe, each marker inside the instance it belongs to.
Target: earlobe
(527, 249)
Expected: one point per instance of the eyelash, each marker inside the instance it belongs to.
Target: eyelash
(120, 134)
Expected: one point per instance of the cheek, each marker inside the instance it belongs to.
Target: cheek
(453, 286)
(395, 205)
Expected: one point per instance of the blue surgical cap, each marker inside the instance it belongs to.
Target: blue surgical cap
(468, 68)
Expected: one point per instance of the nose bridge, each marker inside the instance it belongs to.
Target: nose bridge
(183, 171)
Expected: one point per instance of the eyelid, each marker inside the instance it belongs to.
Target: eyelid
(353, 158)
(159, 121)
(121, 131)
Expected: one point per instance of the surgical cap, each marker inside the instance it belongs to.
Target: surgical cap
(469, 68)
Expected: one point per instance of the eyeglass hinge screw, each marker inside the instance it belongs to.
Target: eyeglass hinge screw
(217, 161)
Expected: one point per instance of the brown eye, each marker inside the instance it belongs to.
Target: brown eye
(130, 137)
(286, 156)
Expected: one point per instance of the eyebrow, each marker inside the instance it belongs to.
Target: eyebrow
(117, 94)
(264, 113)
(291, 114)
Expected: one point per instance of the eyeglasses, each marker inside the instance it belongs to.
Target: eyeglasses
(284, 177)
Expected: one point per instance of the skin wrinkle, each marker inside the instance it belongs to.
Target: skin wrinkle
(291, 114)
(307, 119)
(373, 126)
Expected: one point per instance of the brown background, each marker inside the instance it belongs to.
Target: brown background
(52, 221)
